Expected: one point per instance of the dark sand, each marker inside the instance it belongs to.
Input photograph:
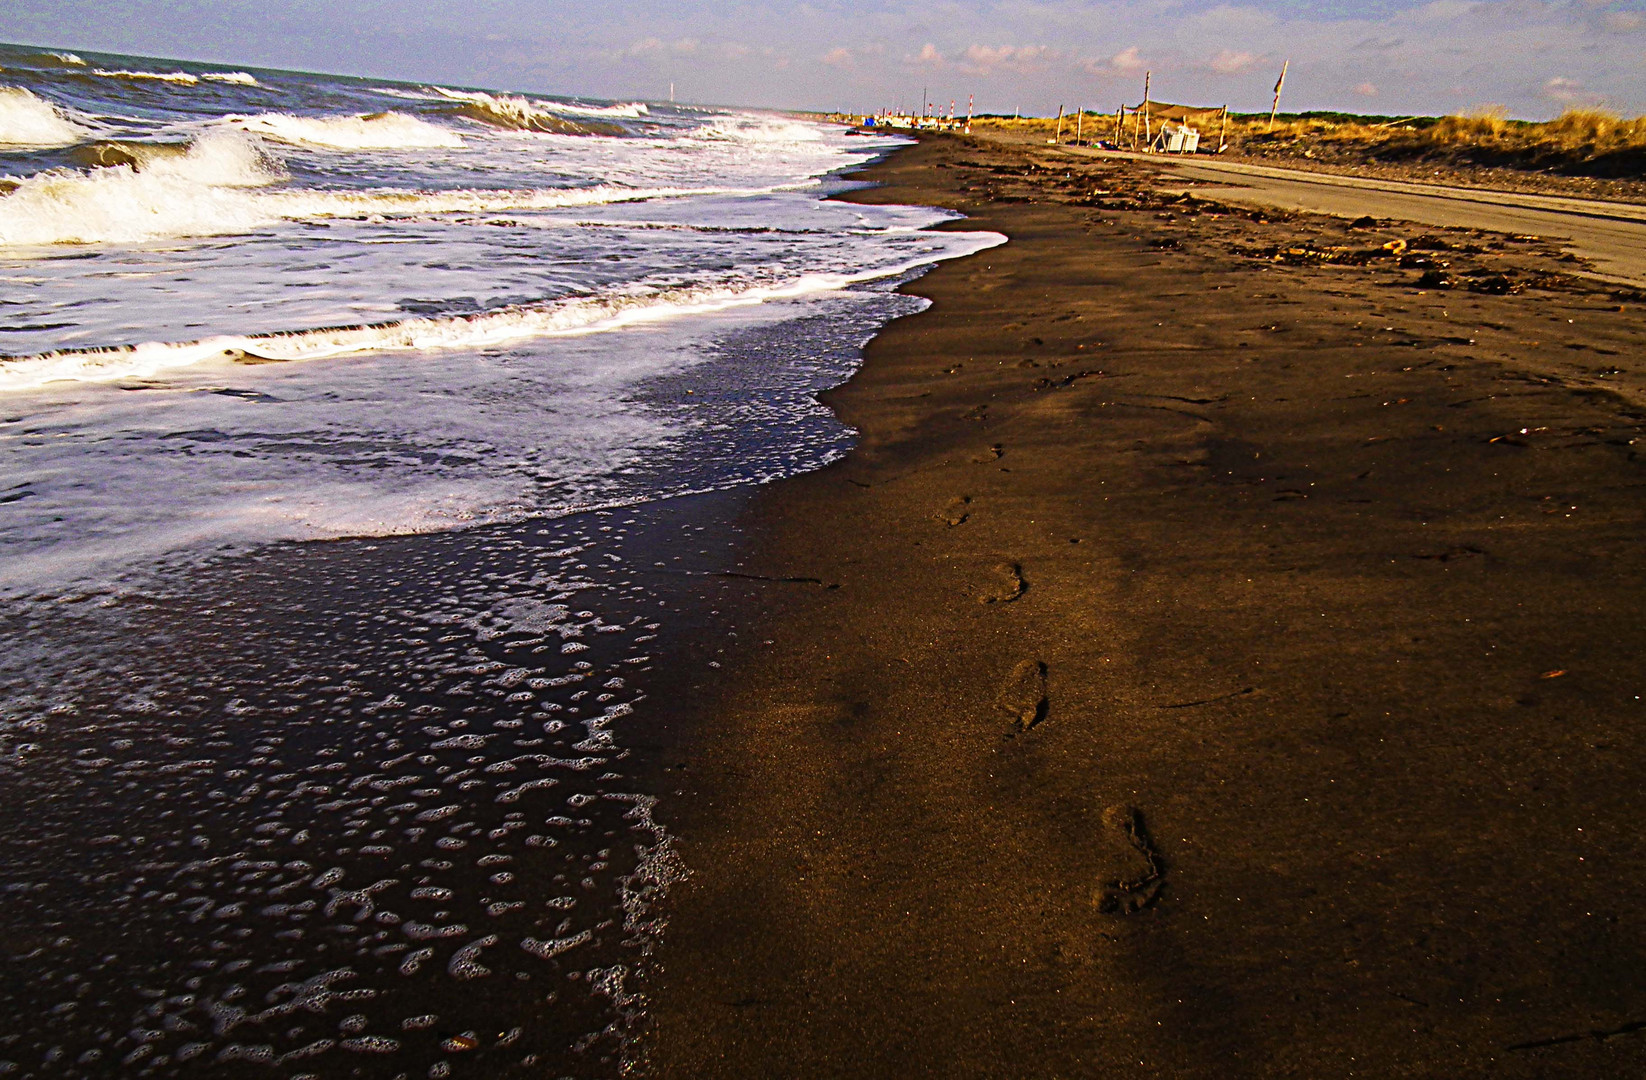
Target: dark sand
(1216, 667)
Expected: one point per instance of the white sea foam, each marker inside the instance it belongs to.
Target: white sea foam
(614, 310)
(68, 58)
(376, 131)
(182, 78)
(26, 120)
(632, 110)
(755, 128)
(238, 78)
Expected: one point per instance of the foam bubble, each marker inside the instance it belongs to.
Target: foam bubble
(376, 131)
(26, 120)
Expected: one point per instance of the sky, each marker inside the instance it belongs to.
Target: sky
(1533, 58)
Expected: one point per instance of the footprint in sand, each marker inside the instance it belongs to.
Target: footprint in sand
(956, 512)
(1023, 696)
(1008, 586)
(1128, 896)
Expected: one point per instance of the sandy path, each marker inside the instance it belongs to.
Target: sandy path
(1612, 235)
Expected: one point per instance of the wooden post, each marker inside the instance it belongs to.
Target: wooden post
(1222, 129)
(1079, 123)
(969, 98)
(1119, 122)
(1148, 133)
(1059, 136)
(1278, 84)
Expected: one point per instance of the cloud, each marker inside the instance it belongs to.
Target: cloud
(1127, 60)
(838, 58)
(1367, 89)
(653, 46)
(1570, 92)
(1623, 22)
(984, 59)
(1448, 11)
(928, 56)
(1229, 62)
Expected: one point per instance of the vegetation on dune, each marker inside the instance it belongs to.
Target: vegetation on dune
(1585, 142)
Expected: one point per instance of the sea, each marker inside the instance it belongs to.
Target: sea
(366, 456)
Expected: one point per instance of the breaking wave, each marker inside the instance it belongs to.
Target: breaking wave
(182, 78)
(160, 192)
(208, 189)
(26, 120)
(575, 315)
(633, 110)
(374, 131)
(758, 129)
(515, 113)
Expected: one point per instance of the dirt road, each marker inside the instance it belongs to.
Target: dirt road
(1610, 235)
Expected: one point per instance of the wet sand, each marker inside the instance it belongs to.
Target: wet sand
(1220, 657)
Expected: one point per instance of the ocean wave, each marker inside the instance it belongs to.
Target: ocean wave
(632, 110)
(158, 191)
(515, 113)
(67, 58)
(138, 155)
(26, 120)
(613, 310)
(180, 77)
(754, 128)
(237, 78)
(374, 131)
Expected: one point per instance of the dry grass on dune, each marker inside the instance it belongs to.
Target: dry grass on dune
(1590, 131)
(1580, 141)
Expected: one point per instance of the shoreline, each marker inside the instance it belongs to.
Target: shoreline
(1178, 693)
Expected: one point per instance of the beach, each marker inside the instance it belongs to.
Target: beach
(1218, 656)
(498, 584)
